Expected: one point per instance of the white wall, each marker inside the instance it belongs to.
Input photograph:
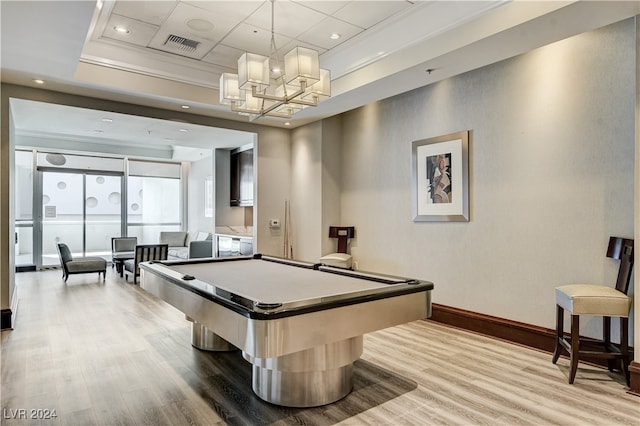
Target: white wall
(551, 177)
(198, 173)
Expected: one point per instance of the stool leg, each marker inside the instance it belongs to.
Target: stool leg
(624, 348)
(606, 333)
(559, 333)
(575, 346)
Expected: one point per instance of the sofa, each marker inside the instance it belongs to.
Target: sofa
(181, 246)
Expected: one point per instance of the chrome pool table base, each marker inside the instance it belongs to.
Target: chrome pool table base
(206, 340)
(308, 378)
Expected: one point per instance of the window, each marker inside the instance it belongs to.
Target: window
(23, 191)
(154, 200)
(85, 200)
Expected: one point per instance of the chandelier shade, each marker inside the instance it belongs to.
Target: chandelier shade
(229, 89)
(301, 65)
(321, 88)
(253, 92)
(253, 70)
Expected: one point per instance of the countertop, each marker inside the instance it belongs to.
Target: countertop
(235, 231)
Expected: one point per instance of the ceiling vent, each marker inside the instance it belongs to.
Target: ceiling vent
(181, 43)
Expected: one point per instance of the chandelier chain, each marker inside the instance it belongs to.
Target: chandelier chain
(274, 48)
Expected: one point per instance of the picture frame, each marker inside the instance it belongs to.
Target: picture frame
(440, 188)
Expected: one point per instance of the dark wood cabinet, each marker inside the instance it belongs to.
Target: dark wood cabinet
(242, 178)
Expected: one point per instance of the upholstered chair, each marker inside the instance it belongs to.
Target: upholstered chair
(122, 245)
(144, 253)
(79, 265)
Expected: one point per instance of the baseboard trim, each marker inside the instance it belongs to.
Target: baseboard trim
(536, 337)
(634, 372)
(26, 268)
(6, 316)
(501, 328)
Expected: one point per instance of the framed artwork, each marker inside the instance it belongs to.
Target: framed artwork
(441, 178)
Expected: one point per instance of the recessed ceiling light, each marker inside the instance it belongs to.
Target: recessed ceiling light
(335, 36)
(168, 139)
(121, 30)
(184, 130)
(38, 81)
(185, 106)
(107, 120)
(287, 124)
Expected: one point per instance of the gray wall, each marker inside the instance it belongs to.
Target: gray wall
(315, 187)
(273, 172)
(551, 177)
(636, 299)
(306, 191)
(331, 181)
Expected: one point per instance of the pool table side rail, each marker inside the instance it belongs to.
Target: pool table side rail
(291, 262)
(254, 309)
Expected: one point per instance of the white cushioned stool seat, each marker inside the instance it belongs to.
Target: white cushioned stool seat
(597, 300)
(588, 299)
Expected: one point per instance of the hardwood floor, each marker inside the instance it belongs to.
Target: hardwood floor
(108, 353)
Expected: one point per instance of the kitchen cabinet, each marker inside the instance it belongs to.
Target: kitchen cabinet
(241, 178)
(228, 245)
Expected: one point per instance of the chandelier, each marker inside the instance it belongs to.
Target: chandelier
(258, 89)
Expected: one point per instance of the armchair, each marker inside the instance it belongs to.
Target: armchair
(122, 248)
(144, 253)
(79, 265)
(203, 248)
(177, 242)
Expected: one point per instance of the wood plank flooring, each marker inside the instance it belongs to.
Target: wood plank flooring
(108, 353)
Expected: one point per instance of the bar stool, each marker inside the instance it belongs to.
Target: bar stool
(587, 299)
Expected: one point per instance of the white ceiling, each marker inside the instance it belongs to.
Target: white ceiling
(386, 48)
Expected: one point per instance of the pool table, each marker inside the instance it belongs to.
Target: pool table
(299, 324)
